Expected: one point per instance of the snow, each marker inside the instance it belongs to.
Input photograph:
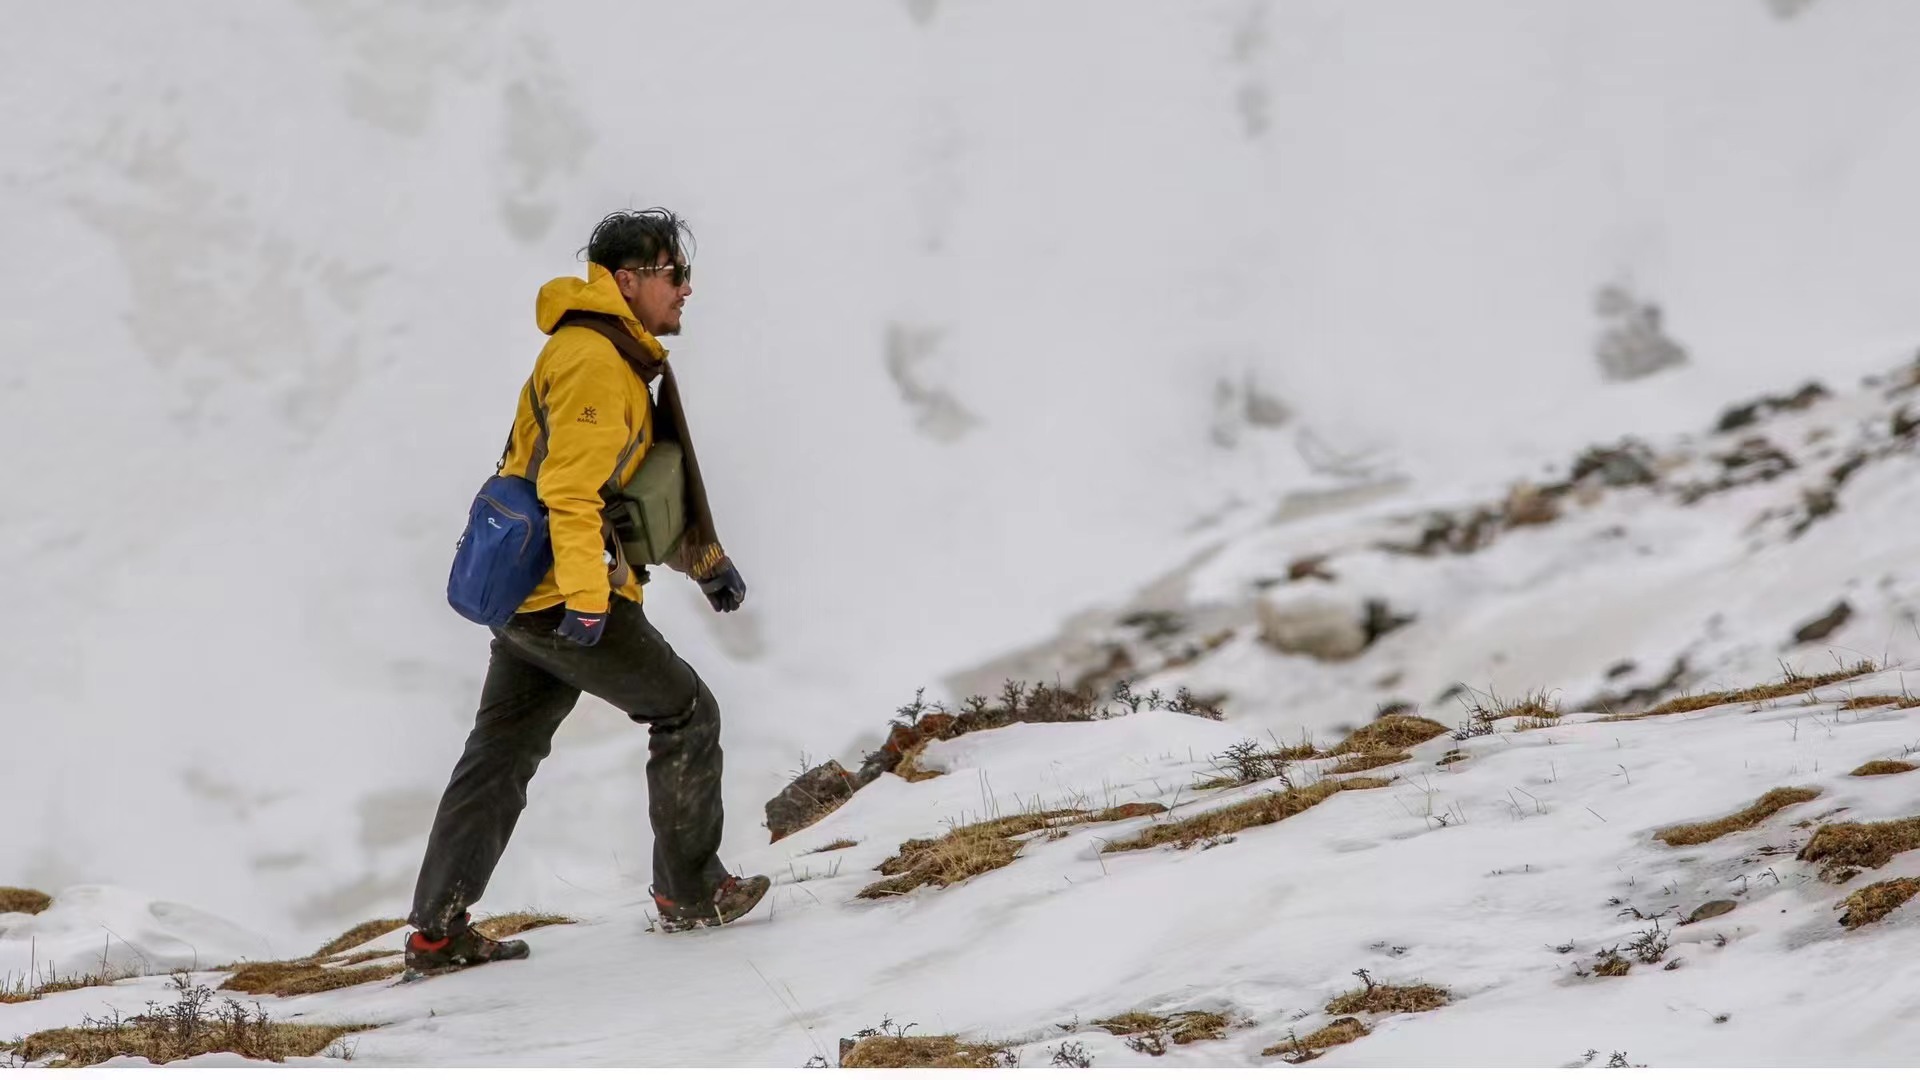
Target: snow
(1549, 843)
(270, 267)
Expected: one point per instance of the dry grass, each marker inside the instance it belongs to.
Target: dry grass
(186, 1028)
(1535, 706)
(909, 768)
(1536, 723)
(838, 845)
(1379, 759)
(923, 1052)
(1791, 683)
(1298, 1051)
(291, 978)
(359, 936)
(516, 923)
(1611, 965)
(971, 850)
(1389, 733)
(1884, 767)
(1877, 901)
(1874, 701)
(33, 987)
(23, 901)
(1764, 807)
(1182, 1027)
(1264, 810)
(1382, 998)
(363, 957)
(1870, 844)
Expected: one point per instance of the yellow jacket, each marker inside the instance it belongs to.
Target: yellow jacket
(597, 408)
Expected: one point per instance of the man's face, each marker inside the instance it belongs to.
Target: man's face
(656, 301)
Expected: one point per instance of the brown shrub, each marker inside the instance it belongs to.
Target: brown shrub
(1298, 1051)
(1379, 759)
(519, 922)
(23, 901)
(359, 936)
(291, 978)
(1389, 733)
(1263, 810)
(1182, 1027)
(1612, 965)
(1870, 844)
(32, 987)
(909, 768)
(1535, 706)
(971, 850)
(1884, 767)
(923, 1052)
(837, 845)
(1790, 684)
(1874, 701)
(1382, 998)
(186, 1028)
(1702, 832)
(1877, 901)
(363, 957)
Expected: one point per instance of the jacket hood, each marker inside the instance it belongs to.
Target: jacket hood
(597, 294)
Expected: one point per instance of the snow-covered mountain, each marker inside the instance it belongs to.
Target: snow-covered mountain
(1082, 340)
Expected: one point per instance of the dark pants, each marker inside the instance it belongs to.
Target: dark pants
(533, 680)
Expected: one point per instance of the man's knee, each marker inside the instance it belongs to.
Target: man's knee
(700, 714)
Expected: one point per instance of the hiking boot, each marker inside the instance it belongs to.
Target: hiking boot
(735, 897)
(462, 948)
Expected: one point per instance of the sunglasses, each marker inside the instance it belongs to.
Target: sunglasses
(682, 272)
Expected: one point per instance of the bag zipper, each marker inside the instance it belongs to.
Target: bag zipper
(523, 519)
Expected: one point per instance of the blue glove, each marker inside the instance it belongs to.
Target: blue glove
(726, 590)
(582, 627)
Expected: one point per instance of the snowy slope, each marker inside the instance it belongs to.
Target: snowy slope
(1548, 845)
(972, 278)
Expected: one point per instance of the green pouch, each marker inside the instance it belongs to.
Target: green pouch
(650, 516)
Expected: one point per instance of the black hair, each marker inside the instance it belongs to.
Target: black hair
(652, 237)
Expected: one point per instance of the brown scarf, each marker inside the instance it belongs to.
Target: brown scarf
(699, 551)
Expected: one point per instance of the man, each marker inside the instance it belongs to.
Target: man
(582, 630)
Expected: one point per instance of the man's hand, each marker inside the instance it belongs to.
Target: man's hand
(583, 627)
(726, 590)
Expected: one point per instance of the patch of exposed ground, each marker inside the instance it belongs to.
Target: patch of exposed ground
(359, 936)
(1764, 807)
(1877, 901)
(1384, 998)
(1884, 767)
(1298, 1051)
(973, 849)
(1389, 733)
(1790, 684)
(1848, 846)
(187, 1027)
(1266, 809)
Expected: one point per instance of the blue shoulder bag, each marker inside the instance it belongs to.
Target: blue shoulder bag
(504, 552)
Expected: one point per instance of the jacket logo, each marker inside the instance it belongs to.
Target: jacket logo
(588, 415)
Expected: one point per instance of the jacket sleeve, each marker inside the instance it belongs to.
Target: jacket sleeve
(586, 407)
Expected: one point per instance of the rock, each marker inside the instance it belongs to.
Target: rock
(1709, 910)
(1628, 464)
(1309, 622)
(811, 796)
(1528, 505)
(1313, 566)
(1632, 343)
(1383, 620)
(1823, 627)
